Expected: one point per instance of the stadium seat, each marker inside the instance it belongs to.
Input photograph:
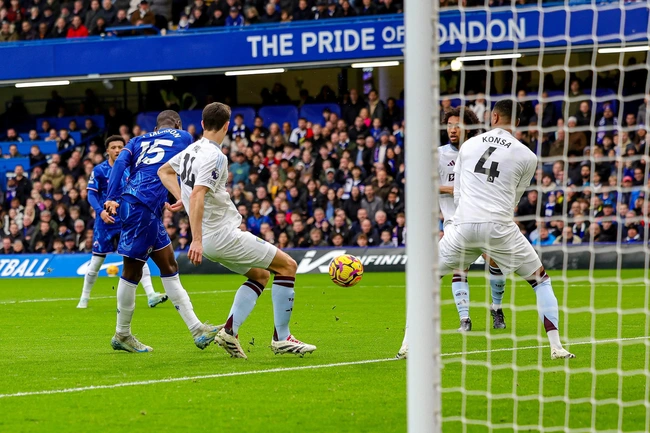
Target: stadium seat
(47, 147)
(192, 117)
(314, 112)
(147, 120)
(64, 122)
(247, 112)
(76, 136)
(279, 114)
(10, 164)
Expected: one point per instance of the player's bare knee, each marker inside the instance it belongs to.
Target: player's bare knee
(262, 276)
(291, 267)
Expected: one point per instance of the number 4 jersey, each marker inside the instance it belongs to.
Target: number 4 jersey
(203, 164)
(143, 156)
(492, 172)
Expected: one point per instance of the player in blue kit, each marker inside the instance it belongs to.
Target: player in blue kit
(143, 235)
(106, 231)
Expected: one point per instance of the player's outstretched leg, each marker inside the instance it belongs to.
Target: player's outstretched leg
(404, 349)
(245, 300)
(284, 268)
(153, 298)
(498, 286)
(460, 290)
(94, 266)
(548, 311)
(203, 333)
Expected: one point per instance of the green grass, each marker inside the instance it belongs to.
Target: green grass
(53, 346)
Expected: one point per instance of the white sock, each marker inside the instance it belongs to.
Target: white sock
(181, 301)
(547, 309)
(282, 294)
(125, 306)
(460, 290)
(405, 340)
(146, 281)
(242, 306)
(95, 265)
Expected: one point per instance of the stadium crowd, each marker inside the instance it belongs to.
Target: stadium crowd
(340, 182)
(28, 20)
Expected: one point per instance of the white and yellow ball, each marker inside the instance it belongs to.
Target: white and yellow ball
(346, 270)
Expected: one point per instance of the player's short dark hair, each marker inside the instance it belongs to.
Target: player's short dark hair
(508, 109)
(215, 115)
(467, 116)
(168, 118)
(113, 138)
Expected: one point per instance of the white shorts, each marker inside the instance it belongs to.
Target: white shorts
(238, 251)
(462, 244)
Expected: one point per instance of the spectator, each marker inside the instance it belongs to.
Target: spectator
(60, 29)
(108, 12)
(12, 136)
(375, 106)
(606, 123)
(19, 247)
(217, 19)
(270, 15)
(369, 232)
(7, 34)
(386, 238)
(93, 14)
(567, 238)
(367, 8)
(142, 15)
(371, 203)
(389, 8)
(121, 19)
(302, 12)
(234, 18)
(7, 247)
(77, 30)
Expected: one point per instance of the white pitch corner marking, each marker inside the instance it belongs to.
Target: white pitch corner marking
(283, 370)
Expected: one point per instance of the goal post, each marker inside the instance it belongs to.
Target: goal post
(423, 287)
(581, 70)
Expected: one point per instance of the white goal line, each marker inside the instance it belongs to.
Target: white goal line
(285, 369)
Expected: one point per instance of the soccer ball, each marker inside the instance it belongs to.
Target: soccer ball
(346, 270)
(112, 270)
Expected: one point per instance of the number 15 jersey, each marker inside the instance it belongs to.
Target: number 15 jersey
(492, 172)
(145, 155)
(203, 164)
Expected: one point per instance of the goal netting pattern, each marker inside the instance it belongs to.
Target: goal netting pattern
(580, 70)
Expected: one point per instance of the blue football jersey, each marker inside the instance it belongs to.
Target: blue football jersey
(98, 182)
(145, 155)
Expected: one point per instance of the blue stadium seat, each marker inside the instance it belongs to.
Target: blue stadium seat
(192, 117)
(247, 112)
(63, 122)
(76, 136)
(279, 114)
(314, 112)
(47, 147)
(10, 164)
(147, 120)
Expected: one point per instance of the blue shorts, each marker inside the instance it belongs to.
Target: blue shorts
(142, 232)
(105, 238)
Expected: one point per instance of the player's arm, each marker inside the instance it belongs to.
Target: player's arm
(526, 178)
(457, 173)
(122, 162)
(207, 177)
(94, 197)
(446, 189)
(168, 176)
(197, 200)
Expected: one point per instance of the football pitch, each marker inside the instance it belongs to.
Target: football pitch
(59, 373)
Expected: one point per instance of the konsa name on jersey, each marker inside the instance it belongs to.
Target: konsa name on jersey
(496, 140)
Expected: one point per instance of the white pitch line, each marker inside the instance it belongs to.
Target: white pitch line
(25, 301)
(283, 370)
(188, 378)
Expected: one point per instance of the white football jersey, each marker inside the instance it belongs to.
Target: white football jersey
(446, 162)
(492, 172)
(203, 163)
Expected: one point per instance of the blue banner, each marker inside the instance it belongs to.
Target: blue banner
(316, 42)
(57, 265)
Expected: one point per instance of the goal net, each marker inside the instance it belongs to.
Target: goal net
(580, 71)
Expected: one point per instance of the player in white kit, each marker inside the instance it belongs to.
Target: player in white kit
(458, 133)
(203, 171)
(492, 172)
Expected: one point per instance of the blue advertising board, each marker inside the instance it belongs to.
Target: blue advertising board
(316, 42)
(56, 265)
